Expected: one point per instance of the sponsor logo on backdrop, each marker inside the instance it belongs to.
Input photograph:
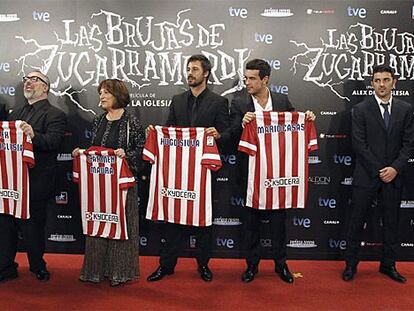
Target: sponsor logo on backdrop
(320, 180)
(238, 12)
(301, 244)
(7, 90)
(412, 222)
(410, 160)
(41, 16)
(388, 12)
(328, 113)
(277, 12)
(64, 216)
(327, 202)
(314, 160)
(143, 241)
(347, 181)
(356, 12)
(228, 158)
(143, 51)
(407, 204)
(5, 67)
(225, 242)
(193, 241)
(263, 37)
(370, 244)
(266, 242)
(9, 17)
(273, 63)
(64, 157)
(61, 238)
(407, 244)
(340, 244)
(342, 159)
(222, 179)
(301, 222)
(332, 136)
(320, 11)
(148, 100)
(237, 201)
(226, 221)
(350, 55)
(62, 198)
(281, 89)
(331, 222)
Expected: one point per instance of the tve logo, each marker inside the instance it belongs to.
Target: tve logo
(329, 203)
(341, 244)
(281, 89)
(7, 90)
(238, 12)
(237, 201)
(225, 242)
(342, 159)
(263, 38)
(5, 67)
(143, 241)
(228, 158)
(304, 222)
(41, 16)
(273, 63)
(358, 12)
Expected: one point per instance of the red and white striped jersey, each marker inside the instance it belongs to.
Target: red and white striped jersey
(16, 156)
(180, 188)
(103, 180)
(278, 144)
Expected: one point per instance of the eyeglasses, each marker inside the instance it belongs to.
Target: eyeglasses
(33, 79)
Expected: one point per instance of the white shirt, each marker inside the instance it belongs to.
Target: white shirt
(258, 107)
(382, 109)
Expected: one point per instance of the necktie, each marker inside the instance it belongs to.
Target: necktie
(386, 114)
(193, 112)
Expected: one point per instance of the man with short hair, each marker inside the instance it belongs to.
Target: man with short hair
(45, 125)
(258, 98)
(382, 138)
(197, 107)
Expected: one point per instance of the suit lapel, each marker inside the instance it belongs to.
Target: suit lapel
(394, 113)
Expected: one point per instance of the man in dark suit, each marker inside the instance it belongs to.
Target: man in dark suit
(3, 112)
(45, 125)
(259, 98)
(197, 107)
(382, 137)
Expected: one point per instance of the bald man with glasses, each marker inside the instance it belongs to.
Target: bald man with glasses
(45, 125)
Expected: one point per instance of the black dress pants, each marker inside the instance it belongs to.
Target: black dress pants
(33, 231)
(174, 234)
(389, 199)
(253, 222)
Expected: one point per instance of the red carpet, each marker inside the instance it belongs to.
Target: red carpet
(317, 287)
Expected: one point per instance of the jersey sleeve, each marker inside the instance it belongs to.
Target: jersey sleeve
(150, 148)
(211, 157)
(312, 135)
(28, 155)
(248, 140)
(126, 178)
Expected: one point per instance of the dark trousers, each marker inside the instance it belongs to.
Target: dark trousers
(174, 235)
(252, 223)
(33, 231)
(389, 199)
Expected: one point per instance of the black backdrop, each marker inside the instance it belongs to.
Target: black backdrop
(321, 54)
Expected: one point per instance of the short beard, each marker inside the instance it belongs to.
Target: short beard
(33, 94)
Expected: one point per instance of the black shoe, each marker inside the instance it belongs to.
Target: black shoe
(349, 272)
(284, 273)
(9, 276)
(43, 275)
(158, 274)
(249, 274)
(205, 273)
(392, 273)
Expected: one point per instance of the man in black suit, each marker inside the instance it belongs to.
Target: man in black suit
(3, 112)
(197, 107)
(259, 98)
(45, 125)
(382, 137)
